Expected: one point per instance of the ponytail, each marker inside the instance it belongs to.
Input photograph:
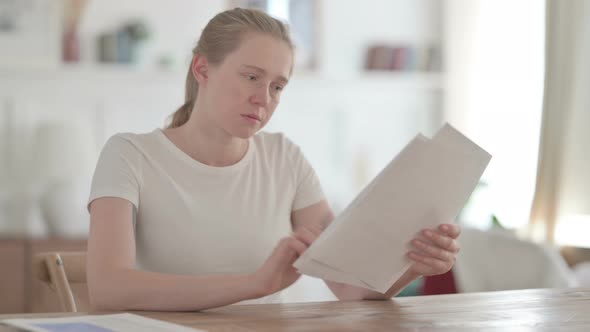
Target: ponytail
(183, 113)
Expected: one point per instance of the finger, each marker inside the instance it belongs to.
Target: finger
(422, 269)
(316, 229)
(297, 246)
(290, 245)
(435, 264)
(420, 236)
(305, 235)
(281, 254)
(432, 251)
(456, 246)
(442, 241)
(411, 246)
(452, 230)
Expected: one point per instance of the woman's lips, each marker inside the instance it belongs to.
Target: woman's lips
(252, 118)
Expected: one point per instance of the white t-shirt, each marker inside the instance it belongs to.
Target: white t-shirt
(195, 219)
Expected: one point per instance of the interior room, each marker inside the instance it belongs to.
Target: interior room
(368, 76)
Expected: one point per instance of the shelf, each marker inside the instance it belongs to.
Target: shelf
(418, 79)
(408, 80)
(92, 72)
(123, 75)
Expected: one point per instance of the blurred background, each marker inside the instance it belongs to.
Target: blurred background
(370, 75)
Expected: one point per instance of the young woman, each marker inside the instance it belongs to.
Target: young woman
(210, 211)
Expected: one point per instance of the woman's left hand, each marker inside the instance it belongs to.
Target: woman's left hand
(434, 251)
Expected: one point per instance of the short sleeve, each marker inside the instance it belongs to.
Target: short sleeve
(308, 187)
(118, 172)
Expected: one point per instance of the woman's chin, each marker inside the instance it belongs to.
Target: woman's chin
(244, 133)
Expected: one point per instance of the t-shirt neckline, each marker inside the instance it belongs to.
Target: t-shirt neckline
(201, 166)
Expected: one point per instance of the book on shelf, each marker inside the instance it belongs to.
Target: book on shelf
(403, 57)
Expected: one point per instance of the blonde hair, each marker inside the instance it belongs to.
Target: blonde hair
(221, 36)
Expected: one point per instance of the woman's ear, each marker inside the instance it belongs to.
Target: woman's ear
(199, 67)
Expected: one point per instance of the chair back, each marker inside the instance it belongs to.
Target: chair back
(60, 271)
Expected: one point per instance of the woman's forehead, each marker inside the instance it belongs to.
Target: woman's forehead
(263, 53)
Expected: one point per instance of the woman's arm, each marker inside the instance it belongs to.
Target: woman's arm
(115, 284)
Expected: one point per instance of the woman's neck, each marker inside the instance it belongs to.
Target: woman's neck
(207, 144)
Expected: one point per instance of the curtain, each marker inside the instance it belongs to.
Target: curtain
(494, 64)
(562, 193)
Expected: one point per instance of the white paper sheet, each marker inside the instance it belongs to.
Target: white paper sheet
(426, 184)
(97, 323)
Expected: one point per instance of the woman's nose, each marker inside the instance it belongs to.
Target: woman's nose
(261, 96)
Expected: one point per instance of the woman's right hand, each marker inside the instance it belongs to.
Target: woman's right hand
(277, 272)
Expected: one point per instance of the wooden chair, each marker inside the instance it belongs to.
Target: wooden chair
(59, 271)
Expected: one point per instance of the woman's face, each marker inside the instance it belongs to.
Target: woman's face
(244, 90)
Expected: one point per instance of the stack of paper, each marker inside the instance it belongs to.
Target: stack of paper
(426, 184)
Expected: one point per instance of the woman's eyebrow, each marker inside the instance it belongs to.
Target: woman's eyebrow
(263, 72)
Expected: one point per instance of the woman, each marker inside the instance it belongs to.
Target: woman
(209, 212)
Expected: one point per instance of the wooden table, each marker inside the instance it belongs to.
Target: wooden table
(524, 310)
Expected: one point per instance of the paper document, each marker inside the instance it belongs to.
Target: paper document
(426, 184)
(96, 323)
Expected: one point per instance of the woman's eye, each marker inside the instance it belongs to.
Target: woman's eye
(251, 77)
(278, 88)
